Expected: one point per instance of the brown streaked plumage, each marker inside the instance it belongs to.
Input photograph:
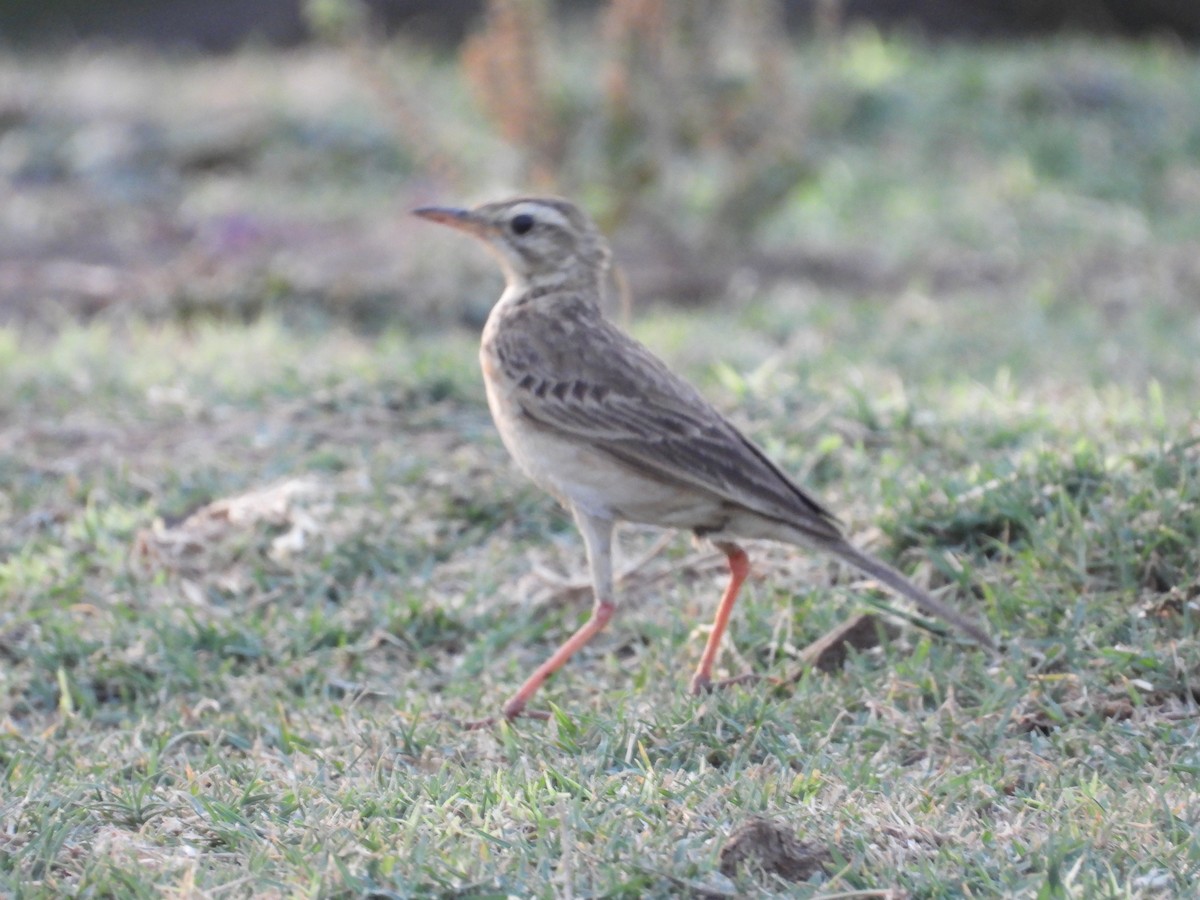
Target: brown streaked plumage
(596, 419)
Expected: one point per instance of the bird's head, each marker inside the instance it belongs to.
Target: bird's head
(539, 241)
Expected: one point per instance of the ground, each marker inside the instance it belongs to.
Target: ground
(261, 551)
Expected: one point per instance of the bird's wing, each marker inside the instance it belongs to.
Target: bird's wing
(578, 375)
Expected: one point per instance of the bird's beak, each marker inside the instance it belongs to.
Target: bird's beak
(462, 219)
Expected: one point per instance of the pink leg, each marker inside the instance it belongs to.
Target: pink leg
(597, 536)
(601, 613)
(739, 568)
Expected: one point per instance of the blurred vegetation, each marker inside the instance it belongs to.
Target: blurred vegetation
(660, 83)
(702, 82)
(226, 26)
(718, 157)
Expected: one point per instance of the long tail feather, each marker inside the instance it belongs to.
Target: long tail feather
(878, 569)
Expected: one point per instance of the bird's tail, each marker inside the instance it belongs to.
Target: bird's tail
(878, 569)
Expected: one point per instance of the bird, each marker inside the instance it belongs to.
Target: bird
(597, 420)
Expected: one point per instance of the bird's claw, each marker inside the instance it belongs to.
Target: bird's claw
(702, 684)
(507, 716)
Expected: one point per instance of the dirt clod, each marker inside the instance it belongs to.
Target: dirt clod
(773, 847)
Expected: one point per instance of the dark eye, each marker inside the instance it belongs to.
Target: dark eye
(521, 224)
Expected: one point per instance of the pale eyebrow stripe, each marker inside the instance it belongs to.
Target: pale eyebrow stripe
(542, 212)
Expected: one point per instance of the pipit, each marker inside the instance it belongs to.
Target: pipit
(598, 421)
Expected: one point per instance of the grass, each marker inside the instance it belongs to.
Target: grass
(253, 574)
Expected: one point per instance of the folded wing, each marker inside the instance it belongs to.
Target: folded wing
(642, 414)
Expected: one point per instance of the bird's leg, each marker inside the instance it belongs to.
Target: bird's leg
(597, 537)
(739, 568)
(601, 612)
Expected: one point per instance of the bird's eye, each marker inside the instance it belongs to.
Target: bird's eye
(521, 224)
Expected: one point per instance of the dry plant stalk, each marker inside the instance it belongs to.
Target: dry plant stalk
(686, 89)
(690, 68)
(685, 77)
(348, 25)
(636, 34)
(503, 64)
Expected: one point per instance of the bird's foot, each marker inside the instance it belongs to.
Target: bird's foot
(512, 710)
(703, 684)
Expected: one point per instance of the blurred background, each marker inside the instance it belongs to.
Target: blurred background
(225, 24)
(175, 161)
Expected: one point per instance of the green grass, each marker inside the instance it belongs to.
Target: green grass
(262, 698)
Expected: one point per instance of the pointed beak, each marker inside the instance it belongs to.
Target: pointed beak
(462, 219)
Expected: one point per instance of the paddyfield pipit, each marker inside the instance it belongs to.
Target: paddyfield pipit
(597, 420)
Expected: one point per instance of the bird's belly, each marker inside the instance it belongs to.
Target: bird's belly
(587, 478)
(599, 485)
